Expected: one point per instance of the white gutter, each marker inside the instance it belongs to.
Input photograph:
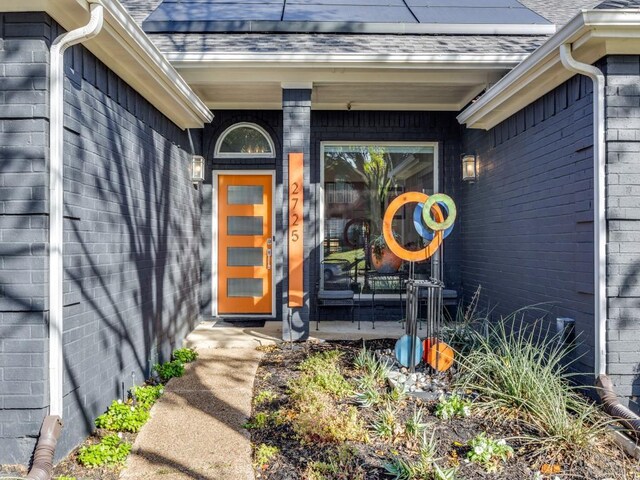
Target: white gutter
(593, 33)
(599, 227)
(56, 201)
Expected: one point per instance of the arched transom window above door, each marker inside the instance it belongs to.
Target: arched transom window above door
(244, 140)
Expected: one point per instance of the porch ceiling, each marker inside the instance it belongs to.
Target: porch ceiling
(442, 83)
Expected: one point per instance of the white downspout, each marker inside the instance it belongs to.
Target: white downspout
(56, 200)
(600, 226)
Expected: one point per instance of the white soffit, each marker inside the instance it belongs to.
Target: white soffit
(593, 35)
(126, 49)
(364, 81)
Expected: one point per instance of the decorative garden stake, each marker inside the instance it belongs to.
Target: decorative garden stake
(434, 226)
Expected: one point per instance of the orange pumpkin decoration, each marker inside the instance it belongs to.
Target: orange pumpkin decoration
(438, 355)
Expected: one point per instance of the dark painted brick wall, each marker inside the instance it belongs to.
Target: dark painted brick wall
(440, 127)
(527, 223)
(24, 54)
(623, 220)
(131, 242)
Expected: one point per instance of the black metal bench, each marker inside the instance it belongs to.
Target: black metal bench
(335, 299)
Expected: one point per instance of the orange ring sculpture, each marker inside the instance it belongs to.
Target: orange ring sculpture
(387, 230)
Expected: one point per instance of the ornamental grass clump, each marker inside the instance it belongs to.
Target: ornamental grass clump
(519, 372)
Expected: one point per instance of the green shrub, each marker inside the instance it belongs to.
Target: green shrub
(315, 396)
(386, 423)
(321, 420)
(322, 361)
(396, 395)
(414, 426)
(146, 395)
(374, 371)
(264, 396)
(321, 372)
(259, 420)
(264, 453)
(185, 355)
(489, 452)
(519, 372)
(342, 462)
(424, 467)
(65, 477)
(169, 370)
(453, 406)
(109, 452)
(123, 417)
(368, 397)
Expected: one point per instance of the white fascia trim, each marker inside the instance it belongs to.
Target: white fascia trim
(330, 60)
(173, 83)
(504, 98)
(162, 86)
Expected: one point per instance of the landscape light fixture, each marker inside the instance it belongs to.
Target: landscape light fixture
(469, 168)
(197, 168)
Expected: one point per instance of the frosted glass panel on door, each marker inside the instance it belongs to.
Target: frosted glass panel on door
(244, 257)
(245, 195)
(244, 287)
(245, 225)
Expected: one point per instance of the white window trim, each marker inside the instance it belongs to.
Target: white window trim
(436, 177)
(218, 154)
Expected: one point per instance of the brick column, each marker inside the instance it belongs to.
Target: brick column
(623, 225)
(296, 137)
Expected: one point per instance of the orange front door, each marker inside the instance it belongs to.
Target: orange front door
(245, 245)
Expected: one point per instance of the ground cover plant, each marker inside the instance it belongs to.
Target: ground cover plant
(324, 411)
(123, 417)
(110, 451)
(103, 454)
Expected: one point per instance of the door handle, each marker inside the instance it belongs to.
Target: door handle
(268, 259)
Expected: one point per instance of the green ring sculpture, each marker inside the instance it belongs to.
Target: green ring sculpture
(451, 208)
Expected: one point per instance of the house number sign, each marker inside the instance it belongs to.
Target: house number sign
(296, 234)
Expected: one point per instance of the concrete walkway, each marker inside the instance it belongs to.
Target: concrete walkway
(195, 430)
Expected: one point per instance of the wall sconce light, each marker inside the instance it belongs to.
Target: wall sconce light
(469, 168)
(197, 169)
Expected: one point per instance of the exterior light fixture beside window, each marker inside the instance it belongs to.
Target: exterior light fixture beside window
(197, 169)
(469, 168)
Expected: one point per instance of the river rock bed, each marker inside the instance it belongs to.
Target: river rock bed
(424, 383)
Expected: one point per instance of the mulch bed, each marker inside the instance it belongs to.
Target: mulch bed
(278, 367)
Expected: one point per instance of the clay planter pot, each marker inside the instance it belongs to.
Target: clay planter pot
(388, 262)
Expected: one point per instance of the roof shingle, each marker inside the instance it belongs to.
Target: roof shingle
(345, 43)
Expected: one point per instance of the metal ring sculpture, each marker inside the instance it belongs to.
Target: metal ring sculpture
(439, 227)
(354, 221)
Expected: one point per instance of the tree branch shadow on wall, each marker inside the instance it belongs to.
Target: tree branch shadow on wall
(630, 322)
(133, 254)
